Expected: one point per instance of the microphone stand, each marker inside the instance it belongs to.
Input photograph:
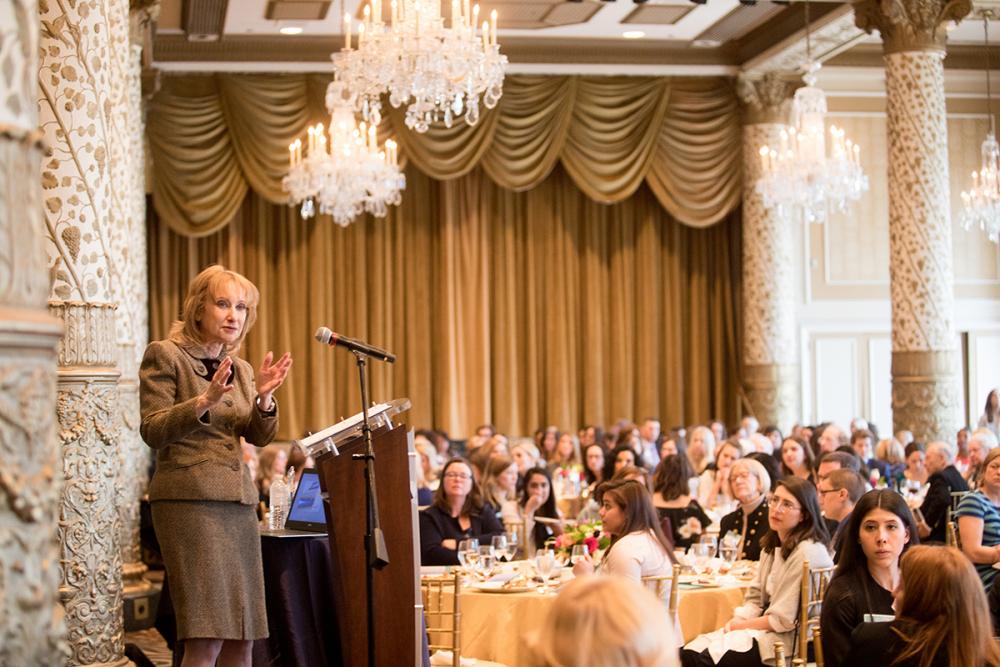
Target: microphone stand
(375, 550)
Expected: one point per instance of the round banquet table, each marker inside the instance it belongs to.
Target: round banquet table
(496, 626)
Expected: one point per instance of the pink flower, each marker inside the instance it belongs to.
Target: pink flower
(591, 544)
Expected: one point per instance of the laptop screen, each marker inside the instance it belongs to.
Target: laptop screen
(307, 505)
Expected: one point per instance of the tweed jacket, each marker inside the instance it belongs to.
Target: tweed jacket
(199, 459)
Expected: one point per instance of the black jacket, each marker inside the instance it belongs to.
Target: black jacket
(436, 525)
(938, 500)
(757, 527)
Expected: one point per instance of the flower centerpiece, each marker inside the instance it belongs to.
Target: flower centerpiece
(587, 534)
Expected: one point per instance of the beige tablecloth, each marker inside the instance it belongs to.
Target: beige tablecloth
(496, 626)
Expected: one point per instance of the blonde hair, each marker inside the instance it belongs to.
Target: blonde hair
(890, 450)
(605, 621)
(186, 331)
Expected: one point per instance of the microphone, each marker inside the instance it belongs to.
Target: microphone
(324, 335)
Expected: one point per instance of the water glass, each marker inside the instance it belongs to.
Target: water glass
(578, 553)
(500, 548)
(545, 563)
(486, 561)
(512, 541)
(712, 541)
(468, 554)
(728, 552)
(701, 554)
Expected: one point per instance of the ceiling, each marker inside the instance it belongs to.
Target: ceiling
(553, 36)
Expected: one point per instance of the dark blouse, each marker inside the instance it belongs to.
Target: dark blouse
(757, 526)
(688, 523)
(436, 525)
(849, 600)
(879, 644)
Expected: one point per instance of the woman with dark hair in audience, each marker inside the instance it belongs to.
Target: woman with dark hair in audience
(770, 609)
(880, 530)
(538, 509)
(672, 500)
(638, 546)
(991, 413)
(750, 483)
(915, 471)
(620, 457)
(773, 433)
(942, 619)
(797, 459)
(593, 467)
(458, 512)
(713, 484)
(547, 441)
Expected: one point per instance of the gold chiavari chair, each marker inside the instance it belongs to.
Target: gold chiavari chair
(814, 585)
(444, 617)
(779, 654)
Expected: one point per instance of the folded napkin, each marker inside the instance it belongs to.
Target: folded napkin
(446, 658)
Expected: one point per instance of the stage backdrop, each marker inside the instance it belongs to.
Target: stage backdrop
(511, 291)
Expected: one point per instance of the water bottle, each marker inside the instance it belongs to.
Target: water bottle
(279, 500)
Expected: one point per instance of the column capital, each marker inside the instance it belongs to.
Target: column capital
(910, 25)
(766, 97)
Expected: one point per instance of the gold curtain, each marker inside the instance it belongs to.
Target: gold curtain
(518, 308)
(213, 137)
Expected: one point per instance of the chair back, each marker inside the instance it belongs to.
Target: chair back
(817, 644)
(814, 585)
(440, 598)
(956, 498)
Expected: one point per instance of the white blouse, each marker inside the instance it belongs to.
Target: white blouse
(638, 555)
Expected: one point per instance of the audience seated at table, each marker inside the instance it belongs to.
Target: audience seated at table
(634, 473)
(546, 439)
(880, 530)
(749, 483)
(605, 622)
(621, 456)
(688, 520)
(978, 517)
(458, 512)
(863, 445)
(713, 485)
(541, 517)
(943, 481)
(638, 546)
(771, 606)
(980, 442)
(838, 492)
(797, 459)
(566, 454)
(942, 619)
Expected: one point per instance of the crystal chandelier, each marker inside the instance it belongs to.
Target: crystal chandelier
(348, 176)
(799, 177)
(982, 202)
(438, 71)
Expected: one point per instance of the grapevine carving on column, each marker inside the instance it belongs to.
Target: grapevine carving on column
(32, 631)
(770, 362)
(925, 362)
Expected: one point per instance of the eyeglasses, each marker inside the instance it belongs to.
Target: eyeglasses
(777, 503)
(734, 476)
(826, 491)
(457, 475)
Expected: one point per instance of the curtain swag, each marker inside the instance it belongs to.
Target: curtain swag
(214, 137)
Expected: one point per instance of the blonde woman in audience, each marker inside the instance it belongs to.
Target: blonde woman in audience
(428, 457)
(713, 486)
(891, 451)
(500, 487)
(525, 455)
(566, 454)
(605, 622)
(701, 448)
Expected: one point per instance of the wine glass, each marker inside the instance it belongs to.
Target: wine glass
(545, 563)
(578, 553)
(485, 562)
(468, 554)
(713, 543)
(701, 553)
(728, 552)
(512, 543)
(500, 548)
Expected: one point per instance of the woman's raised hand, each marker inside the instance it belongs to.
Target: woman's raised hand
(217, 387)
(270, 376)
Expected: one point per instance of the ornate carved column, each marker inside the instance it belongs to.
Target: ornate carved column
(770, 357)
(925, 362)
(32, 631)
(133, 327)
(83, 108)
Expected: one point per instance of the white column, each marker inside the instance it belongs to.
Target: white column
(32, 629)
(770, 364)
(925, 362)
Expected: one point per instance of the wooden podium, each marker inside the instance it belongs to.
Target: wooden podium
(397, 585)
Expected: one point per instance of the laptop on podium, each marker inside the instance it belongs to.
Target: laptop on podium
(306, 517)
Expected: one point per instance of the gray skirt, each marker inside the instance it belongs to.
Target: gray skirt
(211, 551)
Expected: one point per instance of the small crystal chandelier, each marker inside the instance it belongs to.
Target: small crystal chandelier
(350, 175)
(439, 72)
(798, 177)
(982, 202)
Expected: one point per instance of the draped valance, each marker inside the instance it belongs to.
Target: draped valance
(213, 137)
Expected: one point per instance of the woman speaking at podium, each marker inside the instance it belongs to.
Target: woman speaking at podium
(196, 400)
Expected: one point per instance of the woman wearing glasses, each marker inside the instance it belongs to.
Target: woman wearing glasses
(771, 606)
(749, 484)
(458, 512)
